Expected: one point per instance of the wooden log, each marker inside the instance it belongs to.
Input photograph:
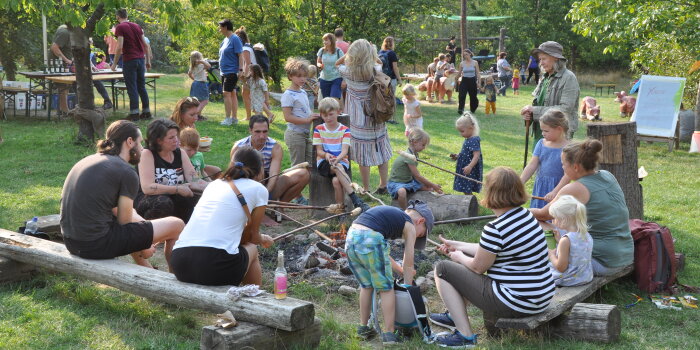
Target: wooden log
(446, 206)
(619, 157)
(288, 314)
(321, 191)
(564, 299)
(588, 322)
(13, 271)
(253, 336)
(50, 224)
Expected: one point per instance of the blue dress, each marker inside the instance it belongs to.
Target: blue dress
(465, 157)
(549, 173)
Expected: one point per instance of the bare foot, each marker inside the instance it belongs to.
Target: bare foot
(148, 253)
(269, 222)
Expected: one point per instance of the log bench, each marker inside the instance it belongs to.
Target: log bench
(267, 316)
(568, 317)
(446, 206)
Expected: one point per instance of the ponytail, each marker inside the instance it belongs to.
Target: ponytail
(584, 153)
(246, 164)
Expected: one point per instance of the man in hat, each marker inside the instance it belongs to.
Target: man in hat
(369, 260)
(558, 88)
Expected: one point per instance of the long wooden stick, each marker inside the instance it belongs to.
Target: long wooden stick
(275, 205)
(527, 140)
(298, 166)
(354, 212)
(412, 157)
(361, 190)
(473, 218)
(319, 233)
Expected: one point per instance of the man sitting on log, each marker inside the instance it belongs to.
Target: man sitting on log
(283, 187)
(98, 220)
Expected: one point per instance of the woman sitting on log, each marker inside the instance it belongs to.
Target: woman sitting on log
(512, 250)
(218, 245)
(599, 191)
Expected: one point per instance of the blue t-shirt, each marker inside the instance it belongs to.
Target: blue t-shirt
(388, 57)
(229, 50)
(387, 220)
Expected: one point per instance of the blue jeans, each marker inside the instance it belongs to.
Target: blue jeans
(331, 88)
(121, 60)
(505, 83)
(101, 90)
(134, 78)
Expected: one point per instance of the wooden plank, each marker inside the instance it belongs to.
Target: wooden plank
(288, 314)
(254, 336)
(564, 299)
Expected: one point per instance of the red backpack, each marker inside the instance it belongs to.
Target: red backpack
(654, 256)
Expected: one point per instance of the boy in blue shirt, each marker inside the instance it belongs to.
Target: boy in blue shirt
(229, 58)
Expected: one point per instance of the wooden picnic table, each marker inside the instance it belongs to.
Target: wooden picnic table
(610, 86)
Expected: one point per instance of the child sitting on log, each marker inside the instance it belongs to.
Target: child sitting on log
(369, 260)
(570, 262)
(405, 177)
(332, 142)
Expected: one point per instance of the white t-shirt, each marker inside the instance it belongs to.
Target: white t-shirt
(218, 219)
(299, 101)
(248, 48)
(199, 73)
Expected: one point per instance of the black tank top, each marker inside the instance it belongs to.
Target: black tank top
(167, 173)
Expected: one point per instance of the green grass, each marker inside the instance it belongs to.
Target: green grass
(58, 311)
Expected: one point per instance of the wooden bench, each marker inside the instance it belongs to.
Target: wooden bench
(568, 317)
(611, 87)
(291, 320)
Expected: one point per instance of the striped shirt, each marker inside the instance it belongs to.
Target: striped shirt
(266, 150)
(332, 141)
(521, 276)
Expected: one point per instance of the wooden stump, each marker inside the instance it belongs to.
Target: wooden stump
(12, 271)
(253, 336)
(588, 322)
(446, 206)
(321, 191)
(619, 157)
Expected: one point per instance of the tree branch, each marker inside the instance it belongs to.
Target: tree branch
(94, 18)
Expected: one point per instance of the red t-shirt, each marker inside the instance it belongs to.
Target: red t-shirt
(133, 46)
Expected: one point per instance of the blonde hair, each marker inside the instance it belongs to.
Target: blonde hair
(194, 57)
(409, 89)
(296, 66)
(328, 104)
(360, 60)
(313, 71)
(503, 189)
(388, 43)
(467, 120)
(570, 212)
(418, 135)
(190, 137)
(554, 118)
(489, 79)
(181, 107)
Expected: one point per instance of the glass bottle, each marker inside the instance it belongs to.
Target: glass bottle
(280, 281)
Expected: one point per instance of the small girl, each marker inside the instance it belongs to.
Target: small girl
(516, 81)
(412, 115)
(546, 158)
(311, 86)
(469, 159)
(199, 88)
(570, 262)
(490, 91)
(101, 62)
(405, 177)
(259, 96)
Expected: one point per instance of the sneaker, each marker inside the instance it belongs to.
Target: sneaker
(133, 117)
(443, 320)
(145, 116)
(456, 340)
(301, 200)
(389, 338)
(227, 122)
(366, 332)
(381, 190)
(234, 121)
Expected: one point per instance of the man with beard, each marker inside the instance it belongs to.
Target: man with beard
(98, 220)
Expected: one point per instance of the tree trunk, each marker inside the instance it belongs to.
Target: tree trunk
(619, 156)
(589, 322)
(463, 27)
(254, 336)
(697, 109)
(502, 41)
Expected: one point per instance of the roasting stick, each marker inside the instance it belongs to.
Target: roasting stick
(354, 212)
(319, 233)
(298, 166)
(361, 190)
(284, 206)
(473, 218)
(412, 157)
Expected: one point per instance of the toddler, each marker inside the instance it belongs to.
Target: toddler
(469, 159)
(311, 85)
(412, 115)
(516, 81)
(259, 96)
(198, 73)
(570, 262)
(189, 141)
(405, 177)
(490, 91)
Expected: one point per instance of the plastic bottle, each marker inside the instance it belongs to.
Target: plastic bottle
(280, 281)
(32, 226)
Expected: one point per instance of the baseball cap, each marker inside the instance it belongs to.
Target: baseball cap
(427, 214)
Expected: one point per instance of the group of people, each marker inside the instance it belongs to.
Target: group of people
(211, 229)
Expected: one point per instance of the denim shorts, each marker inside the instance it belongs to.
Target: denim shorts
(368, 257)
(411, 186)
(199, 90)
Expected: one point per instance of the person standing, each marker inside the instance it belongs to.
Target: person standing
(60, 49)
(470, 82)
(229, 58)
(339, 42)
(247, 59)
(451, 49)
(533, 67)
(504, 73)
(132, 48)
(390, 65)
(330, 79)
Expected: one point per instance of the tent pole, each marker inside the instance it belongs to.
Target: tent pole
(46, 52)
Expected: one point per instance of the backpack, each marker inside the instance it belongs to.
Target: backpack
(386, 65)
(411, 311)
(381, 104)
(654, 256)
(262, 57)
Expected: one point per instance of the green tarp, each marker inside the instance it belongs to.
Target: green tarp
(472, 18)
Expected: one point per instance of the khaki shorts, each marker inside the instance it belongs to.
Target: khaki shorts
(299, 145)
(476, 288)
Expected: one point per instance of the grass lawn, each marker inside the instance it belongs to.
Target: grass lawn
(55, 311)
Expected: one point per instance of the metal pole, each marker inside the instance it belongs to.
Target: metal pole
(45, 36)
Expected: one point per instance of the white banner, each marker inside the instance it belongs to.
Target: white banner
(658, 104)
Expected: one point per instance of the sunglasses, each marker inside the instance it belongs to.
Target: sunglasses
(191, 99)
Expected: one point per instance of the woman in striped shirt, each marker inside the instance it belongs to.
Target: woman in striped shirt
(512, 250)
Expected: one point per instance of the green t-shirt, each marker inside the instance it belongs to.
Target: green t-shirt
(62, 39)
(198, 162)
(400, 171)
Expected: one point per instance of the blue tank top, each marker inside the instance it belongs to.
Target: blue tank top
(468, 71)
(266, 150)
(385, 219)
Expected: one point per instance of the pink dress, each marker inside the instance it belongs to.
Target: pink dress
(516, 83)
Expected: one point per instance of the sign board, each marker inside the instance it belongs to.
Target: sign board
(658, 104)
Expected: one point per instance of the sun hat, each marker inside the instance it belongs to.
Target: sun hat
(551, 48)
(427, 214)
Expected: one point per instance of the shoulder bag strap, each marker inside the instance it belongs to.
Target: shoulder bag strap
(241, 200)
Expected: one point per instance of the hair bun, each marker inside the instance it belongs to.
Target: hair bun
(241, 28)
(592, 145)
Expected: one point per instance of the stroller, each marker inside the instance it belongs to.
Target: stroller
(214, 82)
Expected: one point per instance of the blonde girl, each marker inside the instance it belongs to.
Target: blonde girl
(198, 73)
(259, 96)
(469, 160)
(546, 158)
(405, 177)
(570, 262)
(412, 115)
(311, 86)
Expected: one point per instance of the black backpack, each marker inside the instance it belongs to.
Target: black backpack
(262, 57)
